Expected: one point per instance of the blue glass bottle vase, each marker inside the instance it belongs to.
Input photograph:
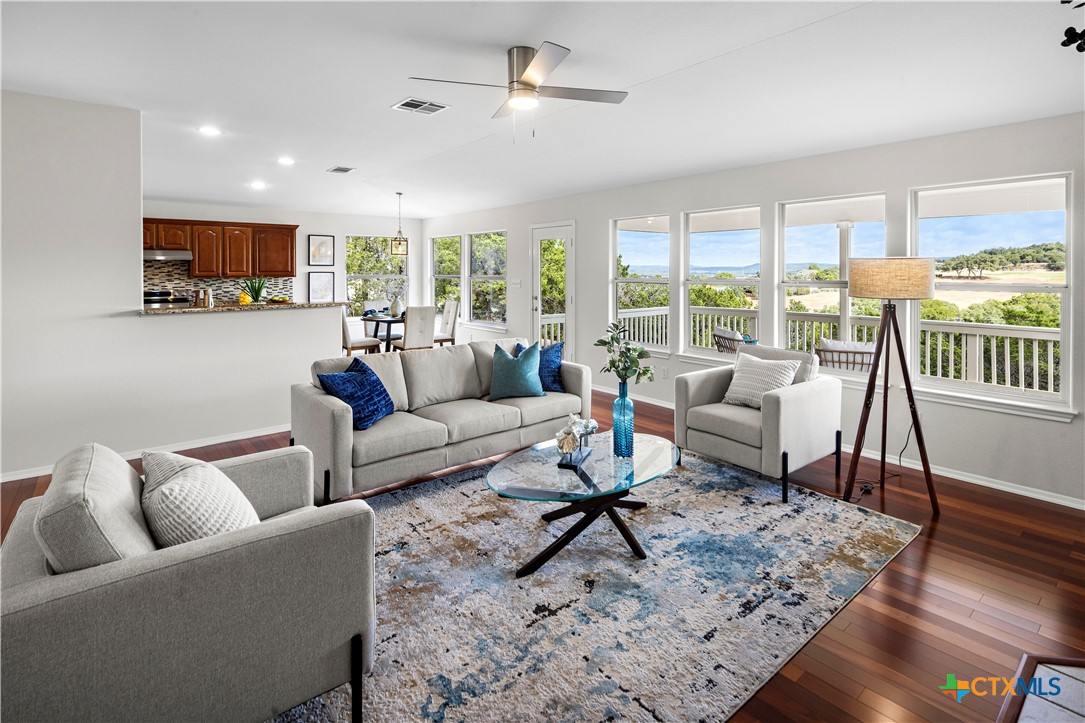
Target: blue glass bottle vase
(623, 422)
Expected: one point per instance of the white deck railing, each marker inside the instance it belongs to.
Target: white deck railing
(647, 326)
(551, 328)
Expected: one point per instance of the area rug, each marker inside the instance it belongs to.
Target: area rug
(735, 583)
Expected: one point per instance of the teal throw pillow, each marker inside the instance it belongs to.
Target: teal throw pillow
(516, 376)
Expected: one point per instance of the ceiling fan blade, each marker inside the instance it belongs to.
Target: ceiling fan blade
(597, 96)
(548, 57)
(457, 82)
(503, 111)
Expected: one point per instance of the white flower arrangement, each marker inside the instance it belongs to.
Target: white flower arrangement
(575, 429)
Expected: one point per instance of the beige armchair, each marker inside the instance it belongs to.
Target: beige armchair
(795, 426)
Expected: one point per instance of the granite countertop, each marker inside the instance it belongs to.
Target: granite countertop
(238, 307)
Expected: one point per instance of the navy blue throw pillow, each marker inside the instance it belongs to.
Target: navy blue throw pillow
(363, 390)
(549, 366)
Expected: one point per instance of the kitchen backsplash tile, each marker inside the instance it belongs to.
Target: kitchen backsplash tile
(162, 275)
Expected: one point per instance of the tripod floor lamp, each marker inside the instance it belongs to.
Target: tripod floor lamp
(889, 279)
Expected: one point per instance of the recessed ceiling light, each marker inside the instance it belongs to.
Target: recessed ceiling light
(258, 185)
(210, 131)
(286, 161)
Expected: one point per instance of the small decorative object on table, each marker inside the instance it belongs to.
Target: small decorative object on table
(623, 358)
(253, 287)
(571, 439)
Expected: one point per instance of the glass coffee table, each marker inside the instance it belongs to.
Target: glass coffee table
(595, 489)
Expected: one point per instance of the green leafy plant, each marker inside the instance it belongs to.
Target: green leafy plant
(623, 356)
(253, 286)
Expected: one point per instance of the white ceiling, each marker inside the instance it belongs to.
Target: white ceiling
(711, 86)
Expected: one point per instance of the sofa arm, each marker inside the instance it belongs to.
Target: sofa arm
(577, 380)
(697, 389)
(275, 481)
(238, 626)
(802, 420)
(325, 425)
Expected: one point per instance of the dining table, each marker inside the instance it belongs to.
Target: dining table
(388, 322)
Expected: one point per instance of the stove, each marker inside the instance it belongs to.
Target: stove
(166, 299)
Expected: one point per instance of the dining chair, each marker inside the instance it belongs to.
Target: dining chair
(417, 329)
(355, 340)
(447, 335)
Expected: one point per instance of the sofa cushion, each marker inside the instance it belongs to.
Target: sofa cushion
(516, 376)
(533, 410)
(742, 424)
(441, 374)
(387, 367)
(484, 358)
(549, 366)
(470, 418)
(90, 513)
(396, 435)
(808, 369)
(186, 499)
(754, 378)
(362, 390)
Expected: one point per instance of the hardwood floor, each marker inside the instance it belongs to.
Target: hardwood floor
(995, 576)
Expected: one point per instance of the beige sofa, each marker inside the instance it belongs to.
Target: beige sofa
(443, 417)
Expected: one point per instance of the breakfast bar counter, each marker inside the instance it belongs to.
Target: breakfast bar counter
(237, 307)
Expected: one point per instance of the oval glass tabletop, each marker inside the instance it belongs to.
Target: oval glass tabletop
(533, 473)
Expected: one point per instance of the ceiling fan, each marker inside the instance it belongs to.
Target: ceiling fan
(528, 68)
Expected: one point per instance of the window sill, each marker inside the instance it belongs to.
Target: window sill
(658, 353)
(483, 326)
(1055, 411)
(706, 360)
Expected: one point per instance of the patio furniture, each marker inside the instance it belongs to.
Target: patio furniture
(449, 316)
(851, 360)
(356, 340)
(418, 329)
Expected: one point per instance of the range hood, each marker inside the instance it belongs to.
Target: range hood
(160, 255)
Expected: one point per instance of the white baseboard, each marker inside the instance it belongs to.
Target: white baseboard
(191, 444)
(997, 484)
(635, 397)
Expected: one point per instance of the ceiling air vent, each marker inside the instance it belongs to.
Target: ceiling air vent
(425, 107)
(340, 169)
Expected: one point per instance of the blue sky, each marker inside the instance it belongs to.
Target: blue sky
(819, 244)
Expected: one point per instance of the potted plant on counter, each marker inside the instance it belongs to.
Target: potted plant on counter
(623, 358)
(252, 290)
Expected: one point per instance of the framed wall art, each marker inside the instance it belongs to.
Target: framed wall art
(321, 250)
(321, 287)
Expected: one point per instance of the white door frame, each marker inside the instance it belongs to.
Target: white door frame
(568, 232)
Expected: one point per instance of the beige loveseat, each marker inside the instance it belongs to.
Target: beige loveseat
(443, 417)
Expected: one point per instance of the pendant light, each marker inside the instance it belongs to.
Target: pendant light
(399, 243)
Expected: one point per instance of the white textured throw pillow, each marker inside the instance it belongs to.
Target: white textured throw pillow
(185, 499)
(754, 377)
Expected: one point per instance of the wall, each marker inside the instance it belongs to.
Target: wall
(79, 362)
(338, 225)
(1039, 457)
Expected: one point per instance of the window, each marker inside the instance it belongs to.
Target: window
(641, 278)
(487, 279)
(724, 273)
(447, 268)
(373, 273)
(819, 236)
(1001, 289)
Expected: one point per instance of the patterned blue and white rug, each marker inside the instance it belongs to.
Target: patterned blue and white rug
(735, 583)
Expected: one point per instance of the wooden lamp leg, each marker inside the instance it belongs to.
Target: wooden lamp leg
(860, 433)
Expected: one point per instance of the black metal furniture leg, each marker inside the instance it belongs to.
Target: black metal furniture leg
(630, 504)
(626, 533)
(291, 441)
(357, 676)
(557, 545)
(328, 487)
(783, 477)
(837, 453)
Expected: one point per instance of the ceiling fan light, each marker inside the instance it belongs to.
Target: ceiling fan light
(523, 99)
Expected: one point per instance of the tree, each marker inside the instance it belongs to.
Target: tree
(938, 310)
(1032, 310)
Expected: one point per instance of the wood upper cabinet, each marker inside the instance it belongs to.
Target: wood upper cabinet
(148, 235)
(275, 250)
(237, 251)
(207, 254)
(173, 237)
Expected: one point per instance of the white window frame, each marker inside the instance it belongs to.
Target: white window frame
(1045, 405)
(616, 281)
(688, 282)
(470, 278)
(379, 277)
(434, 276)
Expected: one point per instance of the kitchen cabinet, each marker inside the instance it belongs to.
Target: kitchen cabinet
(275, 251)
(226, 249)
